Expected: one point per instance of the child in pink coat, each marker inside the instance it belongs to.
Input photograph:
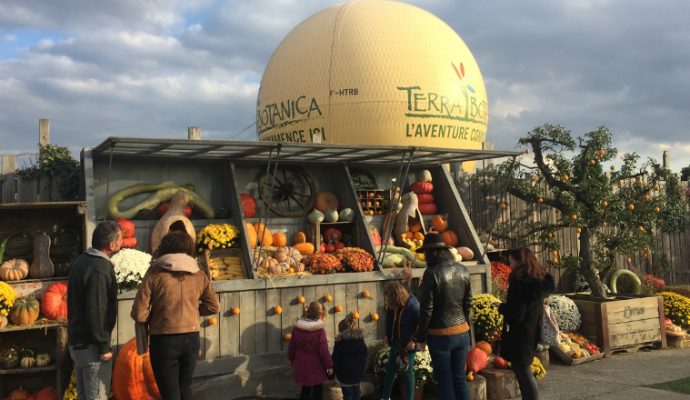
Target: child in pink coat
(308, 352)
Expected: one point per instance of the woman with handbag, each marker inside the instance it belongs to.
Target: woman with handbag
(528, 285)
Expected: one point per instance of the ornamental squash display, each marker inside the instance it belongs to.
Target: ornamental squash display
(41, 266)
(25, 311)
(14, 270)
(54, 301)
(133, 376)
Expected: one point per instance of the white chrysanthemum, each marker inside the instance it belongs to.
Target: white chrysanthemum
(130, 267)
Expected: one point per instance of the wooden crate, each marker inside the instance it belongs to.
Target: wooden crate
(374, 202)
(567, 360)
(622, 323)
(209, 255)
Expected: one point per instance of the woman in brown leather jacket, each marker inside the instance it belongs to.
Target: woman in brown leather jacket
(172, 296)
(445, 301)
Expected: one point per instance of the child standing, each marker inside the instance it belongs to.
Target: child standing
(308, 352)
(349, 358)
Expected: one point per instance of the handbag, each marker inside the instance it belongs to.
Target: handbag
(549, 328)
(141, 332)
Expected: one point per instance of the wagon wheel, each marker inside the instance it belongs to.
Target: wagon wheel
(293, 191)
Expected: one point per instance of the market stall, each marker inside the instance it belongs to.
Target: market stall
(273, 187)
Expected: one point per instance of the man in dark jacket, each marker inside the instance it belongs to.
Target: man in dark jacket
(445, 298)
(92, 311)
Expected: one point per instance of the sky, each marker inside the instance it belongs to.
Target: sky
(153, 68)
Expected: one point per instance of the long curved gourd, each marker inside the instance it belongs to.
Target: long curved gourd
(620, 272)
(163, 192)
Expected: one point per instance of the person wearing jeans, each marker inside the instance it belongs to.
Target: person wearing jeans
(173, 295)
(445, 298)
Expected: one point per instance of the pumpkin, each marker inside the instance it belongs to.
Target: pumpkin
(486, 346)
(14, 270)
(41, 266)
(54, 301)
(476, 360)
(427, 208)
(129, 243)
(268, 263)
(331, 215)
(27, 362)
(127, 227)
(439, 223)
(304, 248)
(281, 254)
(9, 357)
(133, 376)
(43, 359)
(500, 362)
(47, 393)
(299, 237)
(466, 253)
(420, 187)
(326, 200)
(346, 215)
(315, 216)
(250, 233)
(264, 234)
(18, 394)
(279, 239)
(414, 226)
(24, 311)
(450, 238)
(424, 198)
(248, 205)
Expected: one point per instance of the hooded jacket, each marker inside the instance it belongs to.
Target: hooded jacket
(350, 357)
(522, 314)
(173, 295)
(308, 352)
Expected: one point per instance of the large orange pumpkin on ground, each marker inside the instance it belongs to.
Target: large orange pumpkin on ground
(54, 301)
(449, 238)
(133, 375)
(439, 223)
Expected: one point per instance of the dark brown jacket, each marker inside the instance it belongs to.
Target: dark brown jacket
(172, 296)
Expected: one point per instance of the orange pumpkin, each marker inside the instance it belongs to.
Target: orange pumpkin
(449, 238)
(486, 346)
(47, 393)
(427, 208)
(415, 226)
(14, 270)
(418, 236)
(250, 231)
(133, 375)
(18, 394)
(54, 301)
(476, 360)
(304, 248)
(264, 234)
(299, 237)
(279, 239)
(439, 223)
(326, 201)
(24, 311)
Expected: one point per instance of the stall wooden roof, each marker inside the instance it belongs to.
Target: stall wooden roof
(289, 152)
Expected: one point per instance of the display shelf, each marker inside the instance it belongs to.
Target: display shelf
(39, 324)
(374, 202)
(35, 370)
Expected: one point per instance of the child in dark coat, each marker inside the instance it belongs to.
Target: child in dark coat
(308, 352)
(349, 358)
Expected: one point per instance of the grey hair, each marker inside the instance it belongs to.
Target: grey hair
(104, 234)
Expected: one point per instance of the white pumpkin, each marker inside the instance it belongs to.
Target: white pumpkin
(331, 215)
(346, 215)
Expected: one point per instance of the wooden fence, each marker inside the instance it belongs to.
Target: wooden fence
(490, 205)
(14, 189)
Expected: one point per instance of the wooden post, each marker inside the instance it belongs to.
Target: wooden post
(194, 133)
(8, 164)
(43, 131)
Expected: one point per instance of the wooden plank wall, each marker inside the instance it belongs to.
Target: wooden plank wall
(483, 200)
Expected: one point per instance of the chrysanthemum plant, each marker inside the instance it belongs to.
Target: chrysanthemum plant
(572, 176)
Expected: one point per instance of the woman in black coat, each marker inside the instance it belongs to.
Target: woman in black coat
(528, 285)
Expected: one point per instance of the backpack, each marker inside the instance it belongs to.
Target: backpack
(549, 328)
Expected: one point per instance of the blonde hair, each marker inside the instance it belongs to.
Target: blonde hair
(314, 311)
(396, 295)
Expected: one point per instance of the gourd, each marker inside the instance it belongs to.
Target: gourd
(14, 269)
(41, 266)
(449, 238)
(299, 237)
(476, 360)
(304, 248)
(620, 272)
(279, 239)
(346, 215)
(27, 362)
(281, 254)
(163, 192)
(250, 233)
(326, 200)
(466, 253)
(248, 205)
(264, 234)
(9, 358)
(24, 311)
(331, 215)
(133, 375)
(439, 223)
(174, 219)
(316, 216)
(43, 359)
(54, 301)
